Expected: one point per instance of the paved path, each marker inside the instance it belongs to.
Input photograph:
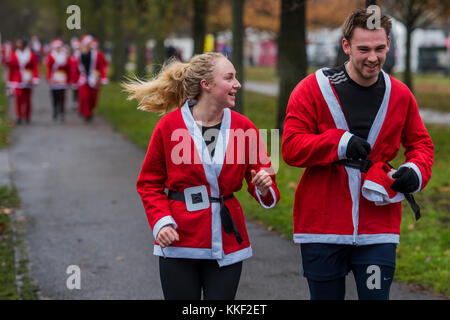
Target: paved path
(428, 116)
(77, 186)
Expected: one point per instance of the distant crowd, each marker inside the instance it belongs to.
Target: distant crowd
(82, 66)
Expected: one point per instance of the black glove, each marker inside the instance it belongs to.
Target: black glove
(357, 148)
(406, 180)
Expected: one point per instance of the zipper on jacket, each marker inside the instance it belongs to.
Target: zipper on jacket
(355, 191)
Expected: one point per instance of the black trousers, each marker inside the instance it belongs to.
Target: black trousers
(58, 97)
(368, 287)
(185, 279)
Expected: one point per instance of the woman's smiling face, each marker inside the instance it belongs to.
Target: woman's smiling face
(225, 85)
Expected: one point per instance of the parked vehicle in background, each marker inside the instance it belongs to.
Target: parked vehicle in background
(432, 59)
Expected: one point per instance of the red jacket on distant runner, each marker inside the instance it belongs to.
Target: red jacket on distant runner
(23, 69)
(96, 76)
(58, 69)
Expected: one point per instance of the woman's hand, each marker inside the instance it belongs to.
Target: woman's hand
(262, 181)
(166, 236)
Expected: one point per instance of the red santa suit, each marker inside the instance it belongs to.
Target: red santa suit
(58, 68)
(329, 206)
(23, 73)
(178, 160)
(89, 81)
(5, 53)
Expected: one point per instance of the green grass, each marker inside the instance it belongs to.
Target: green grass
(5, 124)
(10, 237)
(261, 73)
(8, 199)
(8, 289)
(134, 124)
(424, 251)
(432, 91)
(423, 254)
(10, 230)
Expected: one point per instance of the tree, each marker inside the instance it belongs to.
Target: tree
(292, 64)
(414, 14)
(199, 24)
(330, 14)
(141, 37)
(164, 13)
(119, 56)
(97, 25)
(237, 56)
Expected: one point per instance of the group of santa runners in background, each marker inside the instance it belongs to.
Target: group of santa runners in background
(83, 68)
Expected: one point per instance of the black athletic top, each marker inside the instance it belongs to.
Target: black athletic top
(359, 104)
(86, 61)
(209, 134)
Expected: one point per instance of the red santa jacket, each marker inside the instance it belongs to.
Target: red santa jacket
(178, 159)
(328, 206)
(58, 69)
(23, 69)
(94, 77)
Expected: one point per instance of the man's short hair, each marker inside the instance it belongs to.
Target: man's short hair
(359, 18)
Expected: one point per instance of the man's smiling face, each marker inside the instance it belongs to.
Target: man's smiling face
(367, 51)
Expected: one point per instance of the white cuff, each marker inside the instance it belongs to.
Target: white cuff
(416, 170)
(164, 221)
(258, 195)
(377, 193)
(342, 147)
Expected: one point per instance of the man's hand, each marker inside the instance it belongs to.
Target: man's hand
(406, 180)
(357, 148)
(166, 236)
(262, 181)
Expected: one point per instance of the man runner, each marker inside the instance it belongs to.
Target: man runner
(344, 125)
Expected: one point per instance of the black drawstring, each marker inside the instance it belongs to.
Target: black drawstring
(414, 206)
(228, 222)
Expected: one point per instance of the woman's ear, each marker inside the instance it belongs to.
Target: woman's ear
(204, 84)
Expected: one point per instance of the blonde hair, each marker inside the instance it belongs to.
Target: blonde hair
(175, 83)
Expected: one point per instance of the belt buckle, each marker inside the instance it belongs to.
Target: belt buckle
(196, 198)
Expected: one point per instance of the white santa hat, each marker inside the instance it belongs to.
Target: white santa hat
(56, 43)
(86, 39)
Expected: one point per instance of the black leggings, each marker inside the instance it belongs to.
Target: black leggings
(371, 284)
(58, 96)
(184, 279)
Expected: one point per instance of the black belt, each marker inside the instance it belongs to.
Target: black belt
(361, 165)
(225, 215)
(365, 165)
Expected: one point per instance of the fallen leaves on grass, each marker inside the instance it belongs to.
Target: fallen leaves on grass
(6, 211)
(292, 185)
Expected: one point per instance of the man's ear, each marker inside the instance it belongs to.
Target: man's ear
(388, 44)
(346, 46)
